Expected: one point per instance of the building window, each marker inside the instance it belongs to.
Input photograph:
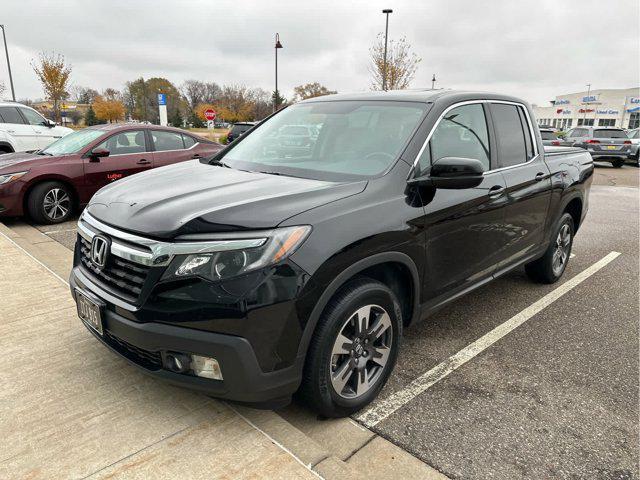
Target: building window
(587, 122)
(607, 122)
(569, 122)
(634, 120)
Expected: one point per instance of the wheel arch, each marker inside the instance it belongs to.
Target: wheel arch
(50, 178)
(6, 147)
(380, 266)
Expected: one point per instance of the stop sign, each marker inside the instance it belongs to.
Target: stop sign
(210, 114)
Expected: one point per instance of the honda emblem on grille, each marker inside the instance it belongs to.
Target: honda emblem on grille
(99, 250)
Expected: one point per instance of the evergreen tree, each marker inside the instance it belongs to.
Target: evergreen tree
(90, 117)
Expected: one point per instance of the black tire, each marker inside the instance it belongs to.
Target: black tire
(45, 214)
(542, 270)
(617, 163)
(317, 388)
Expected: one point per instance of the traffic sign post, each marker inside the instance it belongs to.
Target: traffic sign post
(162, 106)
(210, 115)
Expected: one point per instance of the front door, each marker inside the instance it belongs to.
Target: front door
(129, 153)
(464, 228)
(45, 134)
(528, 182)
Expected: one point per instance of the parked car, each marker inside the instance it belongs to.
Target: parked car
(252, 276)
(24, 129)
(239, 129)
(603, 143)
(634, 137)
(52, 183)
(549, 137)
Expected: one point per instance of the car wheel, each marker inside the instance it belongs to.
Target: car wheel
(50, 202)
(354, 348)
(617, 163)
(550, 267)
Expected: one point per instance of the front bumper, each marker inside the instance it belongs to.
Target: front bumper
(11, 199)
(145, 344)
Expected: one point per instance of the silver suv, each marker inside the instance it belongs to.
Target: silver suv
(604, 143)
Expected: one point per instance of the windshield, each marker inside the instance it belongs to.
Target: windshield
(610, 133)
(356, 140)
(72, 143)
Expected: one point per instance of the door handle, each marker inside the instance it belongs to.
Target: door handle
(143, 161)
(195, 155)
(540, 176)
(496, 191)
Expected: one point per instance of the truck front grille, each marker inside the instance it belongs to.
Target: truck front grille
(121, 277)
(145, 358)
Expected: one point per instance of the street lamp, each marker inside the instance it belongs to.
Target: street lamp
(386, 11)
(6, 51)
(433, 82)
(277, 96)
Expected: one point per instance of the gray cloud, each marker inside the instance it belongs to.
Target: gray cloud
(534, 49)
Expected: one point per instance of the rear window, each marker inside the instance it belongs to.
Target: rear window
(609, 133)
(512, 146)
(547, 135)
(10, 115)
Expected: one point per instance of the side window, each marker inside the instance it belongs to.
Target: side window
(125, 143)
(32, 117)
(462, 132)
(164, 140)
(189, 141)
(527, 133)
(512, 148)
(11, 115)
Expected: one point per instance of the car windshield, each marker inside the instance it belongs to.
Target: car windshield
(547, 135)
(609, 133)
(356, 140)
(72, 143)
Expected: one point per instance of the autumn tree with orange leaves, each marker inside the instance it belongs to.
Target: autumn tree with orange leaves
(53, 73)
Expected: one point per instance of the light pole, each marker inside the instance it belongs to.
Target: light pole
(386, 11)
(277, 96)
(584, 114)
(433, 82)
(6, 51)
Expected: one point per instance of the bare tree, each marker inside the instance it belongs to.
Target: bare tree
(82, 94)
(194, 91)
(401, 64)
(53, 73)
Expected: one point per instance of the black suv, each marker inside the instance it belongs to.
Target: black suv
(239, 129)
(262, 272)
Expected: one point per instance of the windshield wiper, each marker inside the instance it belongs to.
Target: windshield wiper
(219, 163)
(42, 152)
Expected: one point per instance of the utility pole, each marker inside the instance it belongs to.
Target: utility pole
(386, 11)
(584, 113)
(433, 82)
(6, 51)
(277, 95)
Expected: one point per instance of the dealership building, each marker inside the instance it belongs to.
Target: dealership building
(600, 108)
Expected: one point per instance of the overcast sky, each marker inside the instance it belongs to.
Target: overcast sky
(535, 49)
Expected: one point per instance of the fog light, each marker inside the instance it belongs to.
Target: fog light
(206, 367)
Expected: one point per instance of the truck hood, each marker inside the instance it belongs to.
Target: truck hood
(9, 162)
(193, 197)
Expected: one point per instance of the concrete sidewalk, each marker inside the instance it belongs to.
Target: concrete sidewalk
(72, 409)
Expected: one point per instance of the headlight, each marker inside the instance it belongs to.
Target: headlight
(10, 177)
(230, 262)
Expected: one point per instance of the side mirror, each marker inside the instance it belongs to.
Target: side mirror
(452, 173)
(97, 153)
(49, 123)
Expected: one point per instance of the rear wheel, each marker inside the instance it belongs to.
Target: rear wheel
(50, 202)
(550, 267)
(617, 163)
(354, 348)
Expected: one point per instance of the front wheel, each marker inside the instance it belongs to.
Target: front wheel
(550, 267)
(50, 202)
(354, 348)
(617, 163)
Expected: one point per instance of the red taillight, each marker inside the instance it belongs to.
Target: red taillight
(555, 142)
(593, 141)
(627, 142)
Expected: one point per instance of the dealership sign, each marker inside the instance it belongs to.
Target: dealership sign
(562, 101)
(563, 111)
(585, 110)
(590, 98)
(608, 112)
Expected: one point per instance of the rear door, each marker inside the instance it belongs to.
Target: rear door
(19, 130)
(528, 181)
(464, 228)
(129, 153)
(172, 147)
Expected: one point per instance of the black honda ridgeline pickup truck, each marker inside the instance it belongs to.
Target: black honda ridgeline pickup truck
(292, 263)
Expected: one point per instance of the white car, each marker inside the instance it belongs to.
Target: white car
(23, 129)
(634, 136)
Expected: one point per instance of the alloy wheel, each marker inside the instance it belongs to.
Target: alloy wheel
(361, 351)
(57, 203)
(561, 252)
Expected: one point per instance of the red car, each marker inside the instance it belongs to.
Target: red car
(51, 184)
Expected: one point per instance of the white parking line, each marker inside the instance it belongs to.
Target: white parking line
(53, 232)
(388, 406)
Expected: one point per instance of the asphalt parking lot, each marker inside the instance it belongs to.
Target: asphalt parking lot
(555, 398)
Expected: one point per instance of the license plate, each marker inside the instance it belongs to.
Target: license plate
(611, 147)
(89, 312)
